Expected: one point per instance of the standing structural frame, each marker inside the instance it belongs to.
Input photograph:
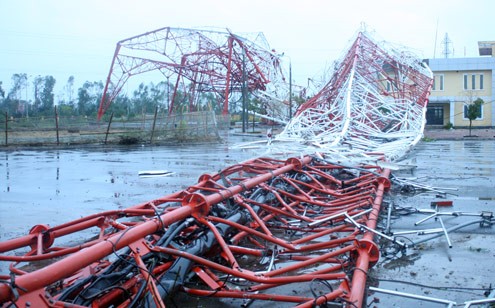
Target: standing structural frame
(195, 61)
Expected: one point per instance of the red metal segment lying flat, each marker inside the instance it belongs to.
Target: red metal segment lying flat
(256, 230)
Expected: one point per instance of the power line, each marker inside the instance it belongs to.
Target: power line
(71, 37)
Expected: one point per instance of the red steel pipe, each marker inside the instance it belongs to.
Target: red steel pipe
(265, 278)
(192, 203)
(66, 267)
(359, 277)
(249, 175)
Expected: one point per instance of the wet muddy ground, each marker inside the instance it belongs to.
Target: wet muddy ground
(57, 185)
(464, 169)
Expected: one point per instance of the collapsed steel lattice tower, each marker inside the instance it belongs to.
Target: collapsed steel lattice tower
(248, 232)
(375, 101)
(254, 228)
(195, 61)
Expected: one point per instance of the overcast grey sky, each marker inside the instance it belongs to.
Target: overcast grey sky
(75, 37)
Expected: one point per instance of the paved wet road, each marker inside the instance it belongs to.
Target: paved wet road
(468, 167)
(55, 186)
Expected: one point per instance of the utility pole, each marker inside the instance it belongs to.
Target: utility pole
(244, 92)
(290, 90)
(168, 92)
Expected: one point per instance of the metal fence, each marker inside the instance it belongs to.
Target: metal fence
(148, 128)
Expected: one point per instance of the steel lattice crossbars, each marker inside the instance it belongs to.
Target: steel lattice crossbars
(249, 232)
(256, 228)
(375, 101)
(196, 61)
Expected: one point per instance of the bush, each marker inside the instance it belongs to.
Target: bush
(127, 140)
(448, 126)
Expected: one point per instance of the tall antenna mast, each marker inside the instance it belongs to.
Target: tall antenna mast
(446, 46)
(435, 47)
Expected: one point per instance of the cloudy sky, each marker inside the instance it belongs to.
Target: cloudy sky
(75, 37)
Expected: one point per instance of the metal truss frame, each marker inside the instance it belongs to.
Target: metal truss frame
(196, 61)
(375, 101)
(252, 230)
(249, 232)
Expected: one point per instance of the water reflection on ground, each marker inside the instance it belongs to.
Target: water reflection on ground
(55, 186)
(58, 185)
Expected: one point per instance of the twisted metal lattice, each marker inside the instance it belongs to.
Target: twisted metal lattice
(254, 231)
(375, 101)
(196, 61)
(255, 228)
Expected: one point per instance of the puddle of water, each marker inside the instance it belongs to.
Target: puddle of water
(56, 186)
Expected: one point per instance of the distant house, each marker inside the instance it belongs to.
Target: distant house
(460, 81)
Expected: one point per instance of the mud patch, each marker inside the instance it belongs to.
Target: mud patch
(402, 261)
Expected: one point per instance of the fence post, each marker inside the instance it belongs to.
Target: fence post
(153, 127)
(207, 114)
(6, 128)
(108, 127)
(254, 117)
(56, 123)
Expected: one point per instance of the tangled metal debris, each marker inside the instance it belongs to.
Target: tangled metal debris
(375, 101)
(252, 231)
(196, 61)
(244, 233)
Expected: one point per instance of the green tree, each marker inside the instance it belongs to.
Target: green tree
(89, 96)
(44, 99)
(180, 102)
(47, 97)
(157, 94)
(66, 106)
(2, 92)
(474, 112)
(121, 106)
(37, 85)
(141, 99)
(15, 105)
(19, 82)
(208, 101)
(2, 98)
(69, 92)
(83, 98)
(65, 110)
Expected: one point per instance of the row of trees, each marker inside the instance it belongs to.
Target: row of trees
(36, 98)
(31, 98)
(43, 94)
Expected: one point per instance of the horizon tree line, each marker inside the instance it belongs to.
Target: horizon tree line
(21, 100)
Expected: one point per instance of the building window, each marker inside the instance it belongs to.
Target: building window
(437, 83)
(466, 112)
(474, 85)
